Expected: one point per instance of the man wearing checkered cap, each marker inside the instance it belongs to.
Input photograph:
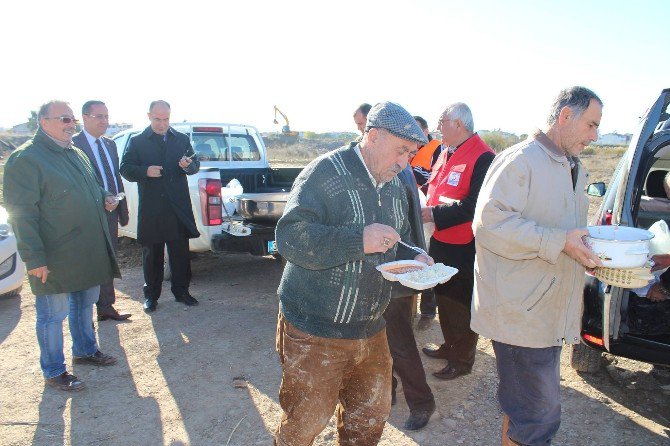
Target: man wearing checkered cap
(344, 216)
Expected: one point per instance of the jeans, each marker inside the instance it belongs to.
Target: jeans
(529, 391)
(51, 310)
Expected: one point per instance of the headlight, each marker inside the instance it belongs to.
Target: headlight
(7, 267)
(5, 229)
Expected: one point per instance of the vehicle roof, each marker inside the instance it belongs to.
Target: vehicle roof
(177, 125)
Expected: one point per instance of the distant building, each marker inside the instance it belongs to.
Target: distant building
(613, 139)
(113, 129)
(22, 129)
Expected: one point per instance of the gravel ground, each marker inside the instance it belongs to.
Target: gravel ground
(209, 375)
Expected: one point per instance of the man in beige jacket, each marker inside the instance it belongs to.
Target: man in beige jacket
(529, 268)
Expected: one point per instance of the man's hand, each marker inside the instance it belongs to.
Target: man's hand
(184, 162)
(379, 238)
(154, 171)
(40, 272)
(661, 261)
(111, 203)
(428, 260)
(427, 214)
(575, 248)
(656, 293)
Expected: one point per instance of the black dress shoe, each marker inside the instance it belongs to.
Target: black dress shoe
(418, 418)
(103, 315)
(187, 299)
(150, 305)
(451, 372)
(441, 352)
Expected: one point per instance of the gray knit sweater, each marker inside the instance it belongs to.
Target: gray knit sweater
(330, 287)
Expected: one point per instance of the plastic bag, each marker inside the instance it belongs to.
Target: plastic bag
(428, 228)
(228, 196)
(660, 244)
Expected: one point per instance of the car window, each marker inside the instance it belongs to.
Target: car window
(214, 147)
(121, 142)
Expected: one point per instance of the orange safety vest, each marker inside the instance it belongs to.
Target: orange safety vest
(424, 156)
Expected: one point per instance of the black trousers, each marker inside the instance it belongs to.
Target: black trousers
(107, 294)
(180, 265)
(453, 304)
(406, 360)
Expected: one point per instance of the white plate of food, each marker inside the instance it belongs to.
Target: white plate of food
(417, 275)
(391, 270)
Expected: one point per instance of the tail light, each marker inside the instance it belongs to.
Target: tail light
(593, 339)
(608, 217)
(210, 201)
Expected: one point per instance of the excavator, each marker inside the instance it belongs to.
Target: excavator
(285, 130)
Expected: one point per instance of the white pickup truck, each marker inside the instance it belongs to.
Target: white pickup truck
(226, 152)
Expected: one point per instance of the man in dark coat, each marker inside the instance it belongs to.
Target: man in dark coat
(158, 160)
(102, 153)
(57, 210)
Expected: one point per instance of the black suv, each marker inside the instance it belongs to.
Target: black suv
(615, 319)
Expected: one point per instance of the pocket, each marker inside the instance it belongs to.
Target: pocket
(544, 290)
(294, 334)
(57, 196)
(63, 239)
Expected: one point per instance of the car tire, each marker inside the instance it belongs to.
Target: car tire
(15, 292)
(585, 359)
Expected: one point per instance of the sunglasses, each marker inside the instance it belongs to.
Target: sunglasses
(66, 119)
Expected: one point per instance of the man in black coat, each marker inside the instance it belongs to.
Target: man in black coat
(159, 159)
(105, 160)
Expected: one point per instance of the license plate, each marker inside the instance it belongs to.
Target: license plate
(272, 247)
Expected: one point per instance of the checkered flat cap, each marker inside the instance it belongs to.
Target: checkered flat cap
(392, 117)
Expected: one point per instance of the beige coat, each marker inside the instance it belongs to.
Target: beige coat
(527, 291)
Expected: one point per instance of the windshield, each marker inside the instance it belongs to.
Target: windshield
(214, 147)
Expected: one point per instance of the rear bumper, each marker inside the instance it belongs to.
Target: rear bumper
(257, 243)
(636, 348)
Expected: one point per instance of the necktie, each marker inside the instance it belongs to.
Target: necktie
(111, 186)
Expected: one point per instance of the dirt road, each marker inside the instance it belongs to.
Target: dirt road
(175, 380)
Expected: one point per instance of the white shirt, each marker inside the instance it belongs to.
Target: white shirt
(94, 148)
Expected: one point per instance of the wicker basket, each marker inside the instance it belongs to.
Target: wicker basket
(624, 278)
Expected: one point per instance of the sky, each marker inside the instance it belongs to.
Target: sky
(225, 61)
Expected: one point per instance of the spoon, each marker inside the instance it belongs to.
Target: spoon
(415, 248)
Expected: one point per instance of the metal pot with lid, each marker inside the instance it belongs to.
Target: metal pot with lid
(620, 246)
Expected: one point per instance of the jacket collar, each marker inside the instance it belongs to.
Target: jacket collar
(148, 132)
(552, 149)
(48, 141)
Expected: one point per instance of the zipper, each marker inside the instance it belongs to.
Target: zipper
(551, 284)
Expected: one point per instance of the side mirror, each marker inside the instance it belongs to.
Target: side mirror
(596, 189)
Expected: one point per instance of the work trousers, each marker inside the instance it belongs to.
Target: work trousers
(153, 258)
(406, 360)
(320, 375)
(107, 295)
(453, 303)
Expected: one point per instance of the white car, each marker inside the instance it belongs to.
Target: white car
(12, 268)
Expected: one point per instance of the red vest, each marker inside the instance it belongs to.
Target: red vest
(450, 180)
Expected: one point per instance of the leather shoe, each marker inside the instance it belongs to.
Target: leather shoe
(66, 381)
(150, 305)
(103, 315)
(440, 352)
(187, 299)
(451, 372)
(97, 358)
(418, 418)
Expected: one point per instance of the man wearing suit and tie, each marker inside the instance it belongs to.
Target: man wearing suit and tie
(105, 160)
